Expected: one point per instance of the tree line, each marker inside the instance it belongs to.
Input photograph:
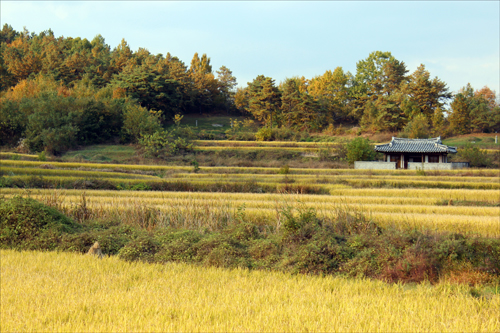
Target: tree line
(64, 89)
(381, 96)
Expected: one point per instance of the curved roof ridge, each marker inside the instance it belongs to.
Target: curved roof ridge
(431, 145)
(408, 139)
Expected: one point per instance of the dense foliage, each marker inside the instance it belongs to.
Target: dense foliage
(62, 92)
(359, 149)
(303, 243)
(28, 224)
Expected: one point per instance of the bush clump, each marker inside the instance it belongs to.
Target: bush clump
(476, 157)
(163, 144)
(300, 242)
(28, 224)
(360, 149)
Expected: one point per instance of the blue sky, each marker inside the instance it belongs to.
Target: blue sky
(457, 41)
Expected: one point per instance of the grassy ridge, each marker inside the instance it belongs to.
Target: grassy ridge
(47, 292)
(473, 211)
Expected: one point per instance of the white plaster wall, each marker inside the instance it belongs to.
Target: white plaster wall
(375, 165)
(437, 166)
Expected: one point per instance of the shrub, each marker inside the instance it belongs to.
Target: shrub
(360, 149)
(143, 248)
(177, 245)
(264, 134)
(284, 170)
(42, 157)
(28, 224)
(475, 156)
(138, 121)
(325, 154)
(280, 134)
(163, 144)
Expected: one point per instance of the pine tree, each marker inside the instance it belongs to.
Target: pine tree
(264, 100)
(460, 115)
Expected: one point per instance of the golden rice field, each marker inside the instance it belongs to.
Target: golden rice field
(405, 209)
(326, 179)
(403, 198)
(108, 167)
(61, 292)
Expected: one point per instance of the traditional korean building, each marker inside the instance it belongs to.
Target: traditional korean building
(401, 153)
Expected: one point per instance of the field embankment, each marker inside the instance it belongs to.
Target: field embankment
(465, 201)
(299, 240)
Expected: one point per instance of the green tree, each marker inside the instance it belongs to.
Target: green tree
(241, 99)
(331, 90)
(418, 127)
(438, 122)
(298, 107)
(179, 72)
(52, 124)
(152, 89)
(205, 85)
(12, 123)
(426, 93)
(120, 57)
(8, 34)
(226, 84)
(264, 100)
(360, 149)
(377, 85)
(460, 114)
(485, 111)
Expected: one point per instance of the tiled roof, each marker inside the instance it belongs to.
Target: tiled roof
(401, 145)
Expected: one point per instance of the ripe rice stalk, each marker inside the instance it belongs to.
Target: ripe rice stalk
(214, 211)
(41, 294)
(258, 170)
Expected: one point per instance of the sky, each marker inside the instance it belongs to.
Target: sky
(457, 41)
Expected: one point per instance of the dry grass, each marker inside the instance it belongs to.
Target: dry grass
(216, 210)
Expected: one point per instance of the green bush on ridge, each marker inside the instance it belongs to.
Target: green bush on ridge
(28, 224)
(301, 242)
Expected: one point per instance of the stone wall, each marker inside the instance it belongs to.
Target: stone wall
(437, 166)
(375, 165)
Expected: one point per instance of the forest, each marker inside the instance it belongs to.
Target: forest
(58, 93)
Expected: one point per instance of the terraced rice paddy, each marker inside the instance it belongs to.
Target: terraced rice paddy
(320, 178)
(40, 291)
(415, 209)
(456, 200)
